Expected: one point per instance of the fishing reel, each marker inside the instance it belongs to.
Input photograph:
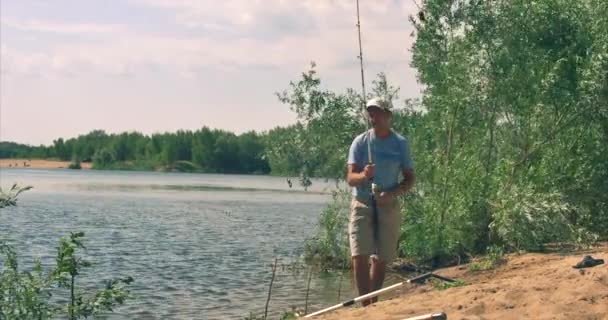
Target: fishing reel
(375, 189)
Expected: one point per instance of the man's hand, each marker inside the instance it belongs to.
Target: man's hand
(385, 199)
(368, 171)
(406, 184)
(356, 176)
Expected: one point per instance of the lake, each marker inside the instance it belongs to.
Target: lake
(200, 246)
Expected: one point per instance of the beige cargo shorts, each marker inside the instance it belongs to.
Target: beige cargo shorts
(361, 229)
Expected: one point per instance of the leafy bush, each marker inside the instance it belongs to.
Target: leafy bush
(494, 258)
(28, 294)
(103, 158)
(528, 220)
(75, 165)
(9, 198)
(287, 315)
(329, 247)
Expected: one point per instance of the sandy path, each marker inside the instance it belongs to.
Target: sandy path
(530, 286)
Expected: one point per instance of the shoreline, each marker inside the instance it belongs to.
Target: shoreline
(59, 164)
(39, 164)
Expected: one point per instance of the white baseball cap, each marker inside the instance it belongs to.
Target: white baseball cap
(380, 103)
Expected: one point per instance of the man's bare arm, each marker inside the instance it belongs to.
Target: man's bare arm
(409, 178)
(356, 176)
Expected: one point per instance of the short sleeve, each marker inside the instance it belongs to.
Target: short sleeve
(354, 155)
(406, 157)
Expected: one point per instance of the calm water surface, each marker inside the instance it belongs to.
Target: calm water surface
(199, 246)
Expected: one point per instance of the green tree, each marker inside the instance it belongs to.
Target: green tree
(103, 158)
(61, 150)
(328, 121)
(511, 89)
(251, 153)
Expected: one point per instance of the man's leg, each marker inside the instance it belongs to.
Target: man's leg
(361, 270)
(389, 230)
(361, 245)
(377, 273)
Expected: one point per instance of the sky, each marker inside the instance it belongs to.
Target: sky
(69, 67)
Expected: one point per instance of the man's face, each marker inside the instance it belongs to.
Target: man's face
(379, 118)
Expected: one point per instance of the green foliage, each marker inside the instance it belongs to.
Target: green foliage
(510, 137)
(251, 153)
(203, 150)
(493, 259)
(23, 295)
(282, 152)
(442, 285)
(528, 220)
(183, 166)
(27, 295)
(61, 150)
(508, 148)
(16, 150)
(103, 158)
(329, 247)
(327, 124)
(75, 164)
(9, 198)
(287, 315)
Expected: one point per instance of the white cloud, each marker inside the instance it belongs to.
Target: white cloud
(272, 19)
(61, 27)
(205, 51)
(270, 34)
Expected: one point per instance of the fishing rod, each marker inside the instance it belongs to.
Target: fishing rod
(369, 130)
(360, 57)
(376, 293)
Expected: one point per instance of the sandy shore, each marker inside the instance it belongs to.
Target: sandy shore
(38, 164)
(530, 286)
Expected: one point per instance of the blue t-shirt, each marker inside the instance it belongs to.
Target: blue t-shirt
(390, 155)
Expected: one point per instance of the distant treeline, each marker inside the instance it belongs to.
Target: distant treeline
(204, 150)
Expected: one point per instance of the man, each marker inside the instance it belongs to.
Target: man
(377, 233)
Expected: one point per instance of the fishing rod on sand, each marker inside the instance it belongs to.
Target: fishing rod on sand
(417, 279)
